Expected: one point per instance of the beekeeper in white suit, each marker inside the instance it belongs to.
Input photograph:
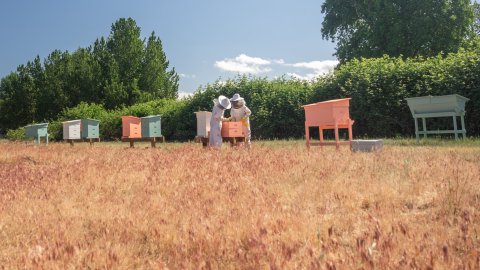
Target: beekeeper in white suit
(220, 105)
(241, 113)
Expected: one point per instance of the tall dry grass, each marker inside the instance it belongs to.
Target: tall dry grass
(183, 207)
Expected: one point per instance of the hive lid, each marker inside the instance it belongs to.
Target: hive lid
(71, 121)
(151, 116)
(328, 101)
(430, 96)
(91, 119)
(38, 124)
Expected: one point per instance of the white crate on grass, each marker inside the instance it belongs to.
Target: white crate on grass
(367, 145)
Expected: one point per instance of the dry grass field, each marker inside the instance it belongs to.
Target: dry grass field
(275, 206)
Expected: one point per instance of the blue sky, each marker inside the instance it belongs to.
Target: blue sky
(204, 40)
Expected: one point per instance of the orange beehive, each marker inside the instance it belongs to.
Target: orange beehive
(331, 114)
(232, 129)
(131, 127)
(328, 112)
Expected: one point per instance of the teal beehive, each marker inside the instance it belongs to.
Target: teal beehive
(90, 129)
(37, 131)
(151, 126)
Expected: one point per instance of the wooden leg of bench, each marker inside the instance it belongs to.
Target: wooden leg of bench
(307, 136)
(337, 139)
(455, 127)
(424, 122)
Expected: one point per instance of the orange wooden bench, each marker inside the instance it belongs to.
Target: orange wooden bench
(331, 114)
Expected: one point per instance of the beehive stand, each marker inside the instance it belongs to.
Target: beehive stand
(91, 141)
(332, 114)
(153, 140)
(203, 140)
(234, 141)
(37, 131)
(436, 107)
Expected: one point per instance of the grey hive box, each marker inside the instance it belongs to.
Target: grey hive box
(367, 145)
(90, 129)
(438, 106)
(37, 131)
(151, 126)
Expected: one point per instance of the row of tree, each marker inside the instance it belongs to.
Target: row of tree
(116, 71)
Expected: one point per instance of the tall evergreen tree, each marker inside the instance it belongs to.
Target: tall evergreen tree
(18, 95)
(155, 80)
(126, 47)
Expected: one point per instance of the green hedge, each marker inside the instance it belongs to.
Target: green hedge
(275, 104)
(378, 88)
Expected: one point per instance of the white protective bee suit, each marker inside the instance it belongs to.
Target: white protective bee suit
(220, 104)
(241, 113)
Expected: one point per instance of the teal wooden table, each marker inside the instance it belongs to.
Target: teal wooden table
(37, 131)
(438, 106)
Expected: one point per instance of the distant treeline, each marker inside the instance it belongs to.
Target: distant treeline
(120, 70)
(378, 88)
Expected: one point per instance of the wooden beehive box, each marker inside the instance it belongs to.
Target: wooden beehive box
(203, 123)
(437, 104)
(328, 112)
(232, 130)
(71, 129)
(151, 126)
(90, 129)
(131, 127)
(36, 130)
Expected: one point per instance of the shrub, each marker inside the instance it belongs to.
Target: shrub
(16, 134)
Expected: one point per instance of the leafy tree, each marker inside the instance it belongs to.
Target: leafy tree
(54, 95)
(155, 81)
(396, 27)
(116, 71)
(126, 47)
(18, 95)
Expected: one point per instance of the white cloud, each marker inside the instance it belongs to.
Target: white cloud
(244, 64)
(187, 76)
(182, 95)
(318, 67)
(307, 77)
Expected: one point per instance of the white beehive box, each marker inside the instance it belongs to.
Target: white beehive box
(203, 123)
(71, 130)
(367, 145)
